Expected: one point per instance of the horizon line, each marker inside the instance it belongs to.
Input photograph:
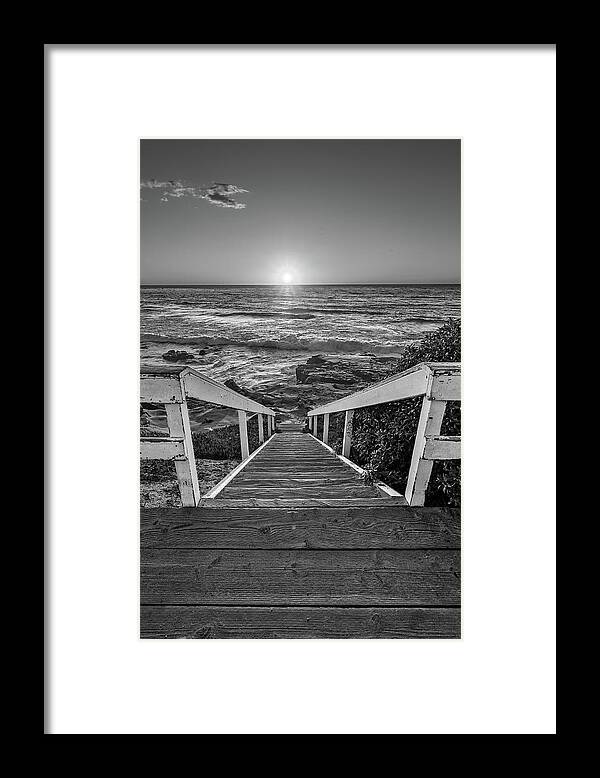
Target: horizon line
(328, 283)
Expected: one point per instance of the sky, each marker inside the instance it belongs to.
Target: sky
(300, 211)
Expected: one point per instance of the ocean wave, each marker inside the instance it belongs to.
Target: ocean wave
(286, 343)
(354, 311)
(266, 315)
(425, 319)
(391, 312)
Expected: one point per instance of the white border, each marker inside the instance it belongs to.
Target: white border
(499, 678)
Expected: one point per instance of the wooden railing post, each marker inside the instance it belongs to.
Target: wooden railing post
(325, 427)
(347, 441)
(261, 432)
(178, 421)
(430, 424)
(243, 424)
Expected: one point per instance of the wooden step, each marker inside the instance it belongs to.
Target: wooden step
(294, 465)
(298, 545)
(398, 578)
(359, 523)
(310, 568)
(205, 622)
(297, 493)
(297, 480)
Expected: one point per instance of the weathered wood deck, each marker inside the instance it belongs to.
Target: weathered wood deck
(298, 546)
(294, 465)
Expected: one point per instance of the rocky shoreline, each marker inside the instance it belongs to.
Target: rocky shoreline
(320, 379)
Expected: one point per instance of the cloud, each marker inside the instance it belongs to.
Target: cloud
(218, 194)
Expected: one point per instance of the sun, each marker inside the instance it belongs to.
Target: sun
(287, 275)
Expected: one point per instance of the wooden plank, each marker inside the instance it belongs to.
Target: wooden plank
(318, 474)
(299, 493)
(160, 390)
(178, 422)
(304, 444)
(327, 577)
(163, 370)
(347, 439)
(371, 525)
(162, 448)
(274, 460)
(296, 483)
(282, 472)
(212, 493)
(203, 622)
(325, 428)
(338, 474)
(275, 502)
(300, 463)
(295, 448)
(201, 387)
(430, 423)
(282, 467)
(409, 383)
(446, 386)
(334, 466)
(243, 425)
(291, 451)
(345, 462)
(442, 447)
(276, 450)
(261, 432)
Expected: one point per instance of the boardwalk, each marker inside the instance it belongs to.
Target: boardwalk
(296, 545)
(296, 466)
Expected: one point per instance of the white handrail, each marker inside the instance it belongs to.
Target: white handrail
(410, 383)
(438, 383)
(173, 386)
(160, 384)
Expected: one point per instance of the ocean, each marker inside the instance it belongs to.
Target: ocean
(259, 335)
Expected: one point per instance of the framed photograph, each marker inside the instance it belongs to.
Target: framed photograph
(300, 388)
(289, 491)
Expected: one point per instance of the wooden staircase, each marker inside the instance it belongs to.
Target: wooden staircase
(294, 465)
(294, 543)
(297, 545)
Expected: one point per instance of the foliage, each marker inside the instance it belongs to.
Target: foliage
(383, 436)
(222, 443)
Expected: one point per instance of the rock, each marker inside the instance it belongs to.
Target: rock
(231, 384)
(356, 371)
(178, 356)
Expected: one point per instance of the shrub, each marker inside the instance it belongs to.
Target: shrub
(224, 443)
(383, 436)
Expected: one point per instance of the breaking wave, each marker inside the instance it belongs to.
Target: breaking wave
(265, 315)
(285, 343)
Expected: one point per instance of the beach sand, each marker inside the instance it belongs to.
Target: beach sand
(163, 492)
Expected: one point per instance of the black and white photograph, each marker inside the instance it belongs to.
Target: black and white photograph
(300, 388)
